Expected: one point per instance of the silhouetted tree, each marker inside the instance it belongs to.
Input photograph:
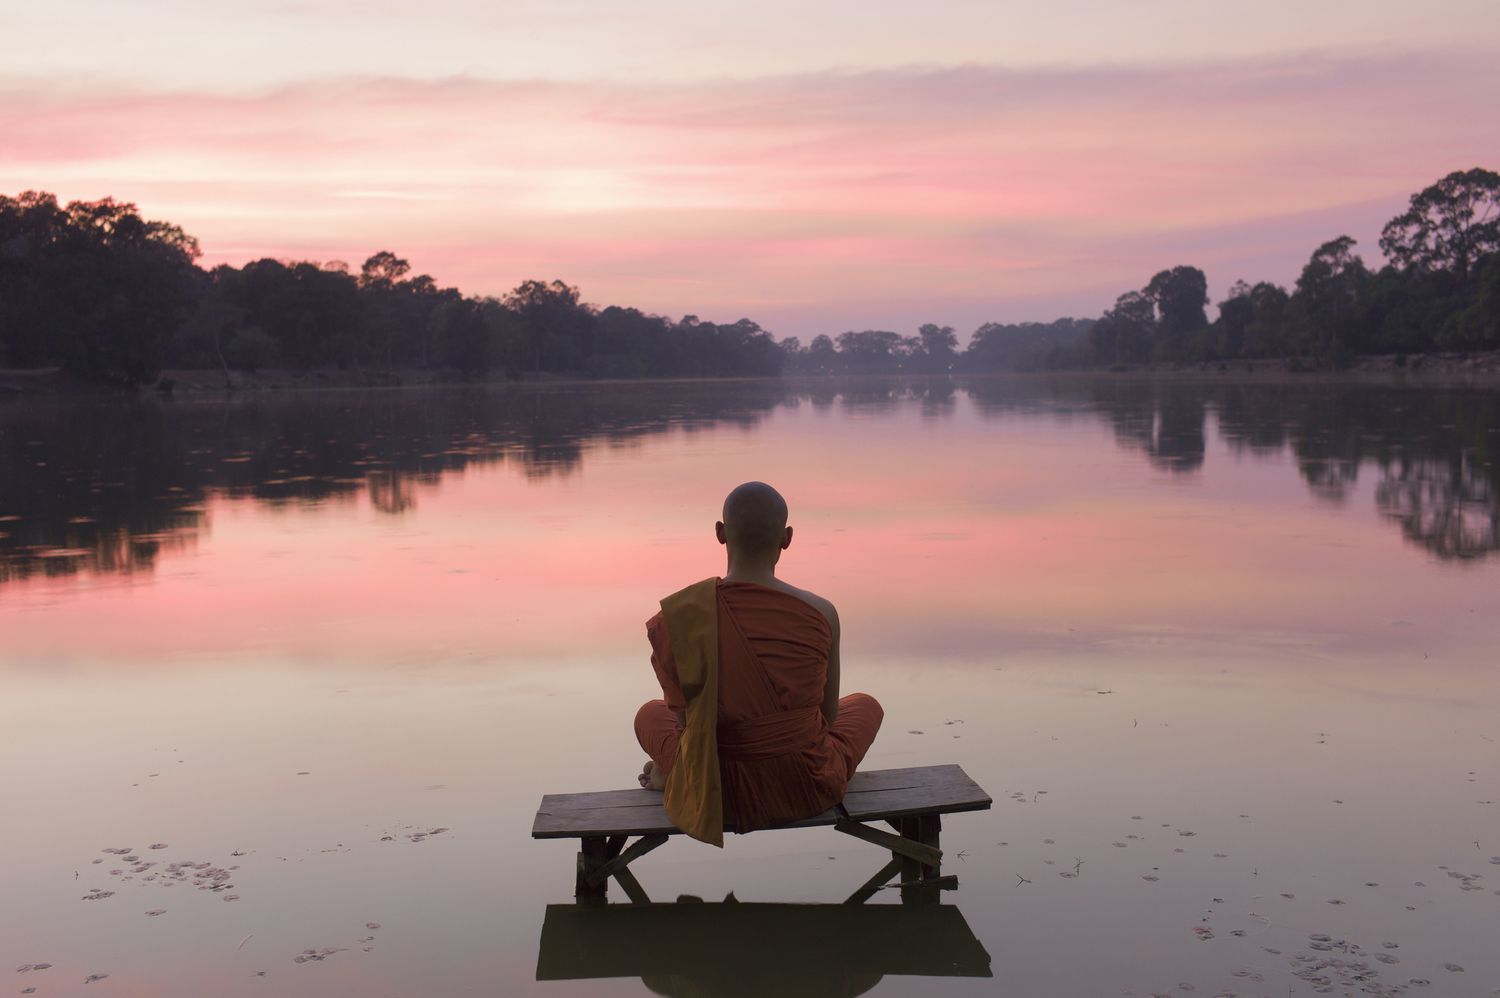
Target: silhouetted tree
(936, 348)
(383, 270)
(1179, 295)
(1449, 226)
(1123, 335)
(32, 325)
(1028, 346)
(552, 321)
(1478, 325)
(458, 334)
(92, 285)
(822, 355)
(870, 350)
(1252, 321)
(1326, 295)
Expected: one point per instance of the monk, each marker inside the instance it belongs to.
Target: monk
(751, 731)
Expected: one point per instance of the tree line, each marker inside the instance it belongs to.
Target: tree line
(993, 346)
(1439, 291)
(93, 287)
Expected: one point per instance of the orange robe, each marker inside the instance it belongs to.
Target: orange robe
(779, 759)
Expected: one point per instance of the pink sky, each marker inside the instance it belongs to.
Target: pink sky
(816, 178)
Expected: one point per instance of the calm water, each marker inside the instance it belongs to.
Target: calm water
(1224, 655)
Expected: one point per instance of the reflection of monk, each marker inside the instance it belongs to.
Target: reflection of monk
(754, 682)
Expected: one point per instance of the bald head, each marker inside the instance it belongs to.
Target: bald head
(755, 520)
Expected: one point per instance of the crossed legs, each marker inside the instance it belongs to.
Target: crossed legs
(657, 728)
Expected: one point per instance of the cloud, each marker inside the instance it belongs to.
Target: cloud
(390, 195)
(971, 188)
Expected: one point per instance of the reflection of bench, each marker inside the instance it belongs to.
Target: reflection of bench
(766, 949)
(911, 801)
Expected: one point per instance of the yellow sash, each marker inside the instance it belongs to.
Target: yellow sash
(694, 799)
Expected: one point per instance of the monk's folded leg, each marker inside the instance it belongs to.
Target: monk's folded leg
(855, 727)
(657, 729)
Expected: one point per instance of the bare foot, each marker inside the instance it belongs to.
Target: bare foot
(651, 778)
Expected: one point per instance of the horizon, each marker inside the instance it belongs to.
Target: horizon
(897, 168)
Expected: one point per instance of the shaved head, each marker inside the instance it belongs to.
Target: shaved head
(755, 518)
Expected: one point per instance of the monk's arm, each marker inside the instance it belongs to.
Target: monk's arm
(831, 690)
(665, 666)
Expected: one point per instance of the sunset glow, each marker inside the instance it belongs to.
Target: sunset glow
(878, 171)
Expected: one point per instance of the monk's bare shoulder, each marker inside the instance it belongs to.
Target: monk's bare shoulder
(823, 606)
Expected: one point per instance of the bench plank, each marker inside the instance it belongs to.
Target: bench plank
(884, 793)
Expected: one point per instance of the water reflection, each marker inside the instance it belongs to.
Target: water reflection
(1167, 426)
(1445, 506)
(696, 950)
(105, 487)
(1434, 451)
(108, 487)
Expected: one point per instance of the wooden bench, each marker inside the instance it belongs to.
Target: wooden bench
(911, 801)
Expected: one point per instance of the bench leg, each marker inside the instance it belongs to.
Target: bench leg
(926, 829)
(911, 870)
(593, 854)
(602, 858)
(929, 830)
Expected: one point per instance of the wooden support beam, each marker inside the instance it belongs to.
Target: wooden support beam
(591, 856)
(898, 844)
(875, 883)
(601, 873)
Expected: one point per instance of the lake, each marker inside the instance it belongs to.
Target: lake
(283, 679)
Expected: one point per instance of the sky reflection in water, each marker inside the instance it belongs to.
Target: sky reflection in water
(1262, 614)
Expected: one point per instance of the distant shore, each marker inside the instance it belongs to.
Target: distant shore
(55, 382)
(1432, 369)
(1479, 369)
